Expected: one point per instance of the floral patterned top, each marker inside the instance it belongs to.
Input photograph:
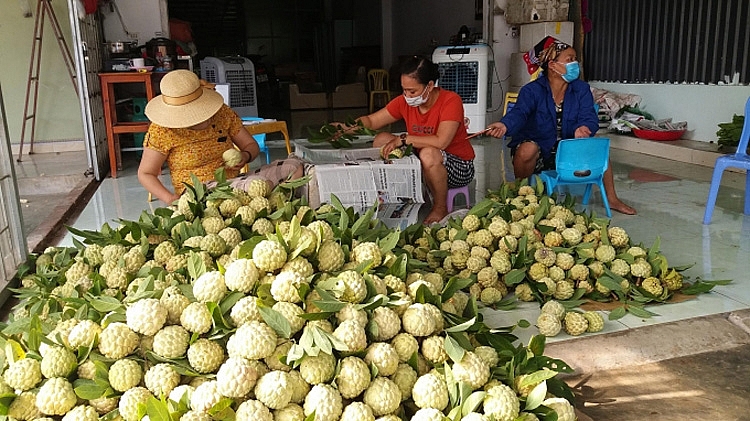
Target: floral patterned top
(195, 151)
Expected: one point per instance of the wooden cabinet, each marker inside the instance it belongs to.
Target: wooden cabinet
(114, 127)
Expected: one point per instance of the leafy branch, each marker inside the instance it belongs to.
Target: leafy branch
(340, 135)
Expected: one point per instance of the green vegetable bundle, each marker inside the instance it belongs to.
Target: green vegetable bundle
(729, 133)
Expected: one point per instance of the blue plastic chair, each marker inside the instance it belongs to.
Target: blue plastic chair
(739, 159)
(580, 162)
(260, 139)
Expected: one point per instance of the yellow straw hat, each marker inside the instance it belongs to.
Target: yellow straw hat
(185, 101)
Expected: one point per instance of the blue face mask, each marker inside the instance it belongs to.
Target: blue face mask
(572, 71)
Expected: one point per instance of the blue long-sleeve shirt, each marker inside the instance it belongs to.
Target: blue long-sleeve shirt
(533, 117)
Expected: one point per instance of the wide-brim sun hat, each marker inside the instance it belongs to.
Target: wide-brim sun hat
(185, 101)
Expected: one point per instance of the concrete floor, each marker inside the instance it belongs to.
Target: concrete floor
(52, 189)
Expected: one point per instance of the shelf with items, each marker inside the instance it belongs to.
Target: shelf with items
(114, 124)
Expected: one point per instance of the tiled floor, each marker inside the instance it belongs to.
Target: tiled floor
(670, 210)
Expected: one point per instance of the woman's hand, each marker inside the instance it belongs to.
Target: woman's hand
(149, 170)
(388, 145)
(246, 159)
(174, 198)
(497, 129)
(582, 131)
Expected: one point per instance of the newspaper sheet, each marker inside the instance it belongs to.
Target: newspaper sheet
(363, 183)
(399, 215)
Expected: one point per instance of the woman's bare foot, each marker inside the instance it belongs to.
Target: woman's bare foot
(436, 215)
(619, 206)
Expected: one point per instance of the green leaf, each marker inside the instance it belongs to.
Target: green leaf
(452, 384)
(17, 327)
(610, 283)
(363, 223)
(329, 306)
(536, 344)
(617, 313)
(307, 341)
(13, 351)
(455, 413)
(639, 311)
(157, 410)
(247, 246)
(472, 402)
(35, 333)
(196, 266)
(387, 243)
(105, 304)
(537, 377)
(398, 268)
(453, 349)
(414, 362)
(229, 301)
(277, 322)
(316, 316)
(88, 389)
(455, 284)
(700, 287)
(263, 292)
(84, 352)
(654, 249)
(515, 276)
(296, 352)
(322, 341)
(220, 408)
(482, 208)
(536, 396)
(461, 327)
(5, 400)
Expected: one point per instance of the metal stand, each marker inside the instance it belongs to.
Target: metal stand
(43, 8)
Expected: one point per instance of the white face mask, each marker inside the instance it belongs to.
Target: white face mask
(418, 100)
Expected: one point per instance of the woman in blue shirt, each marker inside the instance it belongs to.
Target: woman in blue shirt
(557, 105)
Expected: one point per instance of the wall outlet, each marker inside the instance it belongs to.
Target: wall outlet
(133, 35)
(514, 32)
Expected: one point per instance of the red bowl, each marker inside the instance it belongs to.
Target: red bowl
(658, 134)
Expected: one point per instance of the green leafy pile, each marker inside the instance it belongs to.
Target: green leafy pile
(729, 133)
(310, 282)
(520, 241)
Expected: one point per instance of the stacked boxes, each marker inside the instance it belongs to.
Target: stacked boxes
(536, 20)
(521, 12)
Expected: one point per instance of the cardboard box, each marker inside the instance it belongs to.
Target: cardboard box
(532, 33)
(349, 96)
(519, 12)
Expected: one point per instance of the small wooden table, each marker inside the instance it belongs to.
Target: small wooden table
(271, 127)
(115, 128)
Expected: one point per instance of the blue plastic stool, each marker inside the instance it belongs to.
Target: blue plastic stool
(739, 159)
(260, 139)
(452, 193)
(580, 161)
